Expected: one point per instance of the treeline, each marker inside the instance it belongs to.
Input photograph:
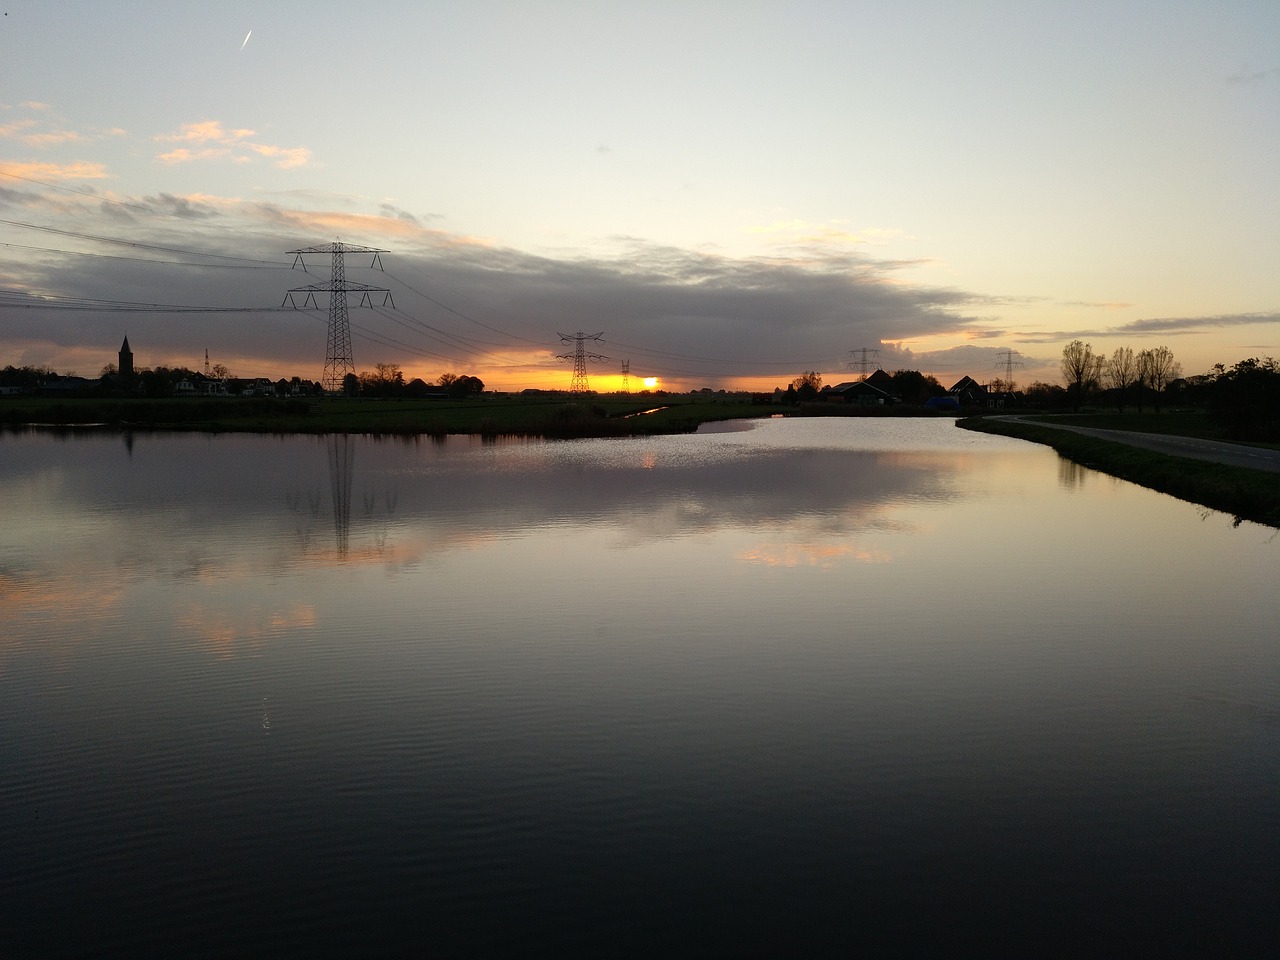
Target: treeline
(1128, 376)
(907, 386)
(1244, 398)
(387, 380)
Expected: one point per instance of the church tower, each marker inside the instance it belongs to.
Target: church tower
(125, 367)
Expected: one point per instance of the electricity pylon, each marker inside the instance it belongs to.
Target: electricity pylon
(580, 358)
(863, 363)
(1009, 363)
(337, 357)
(626, 376)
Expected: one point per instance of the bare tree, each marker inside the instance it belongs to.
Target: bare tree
(1157, 369)
(1120, 373)
(1081, 368)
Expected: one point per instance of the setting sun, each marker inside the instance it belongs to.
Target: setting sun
(650, 382)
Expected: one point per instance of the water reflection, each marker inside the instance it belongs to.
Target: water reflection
(341, 464)
(771, 683)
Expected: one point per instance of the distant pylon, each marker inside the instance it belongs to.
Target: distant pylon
(580, 357)
(862, 363)
(337, 359)
(1009, 363)
(626, 376)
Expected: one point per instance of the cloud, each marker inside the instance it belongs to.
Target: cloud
(1097, 304)
(1190, 324)
(1252, 77)
(286, 158)
(1154, 325)
(206, 131)
(12, 129)
(53, 138)
(210, 140)
(464, 303)
(35, 170)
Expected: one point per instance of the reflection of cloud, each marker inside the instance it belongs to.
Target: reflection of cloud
(228, 634)
(37, 598)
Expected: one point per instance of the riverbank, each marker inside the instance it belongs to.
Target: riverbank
(529, 416)
(1243, 493)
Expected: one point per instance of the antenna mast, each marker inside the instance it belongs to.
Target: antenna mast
(337, 359)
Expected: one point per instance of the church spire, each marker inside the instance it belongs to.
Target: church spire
(125, 366)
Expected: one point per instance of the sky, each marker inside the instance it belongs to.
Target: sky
(730, 193)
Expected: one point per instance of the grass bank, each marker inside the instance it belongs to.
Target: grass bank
(1244, 494)
(555, 417)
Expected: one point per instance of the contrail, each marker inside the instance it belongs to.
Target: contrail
(246, 39)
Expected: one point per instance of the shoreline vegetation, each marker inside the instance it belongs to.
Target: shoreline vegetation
(550, 417)
(1244, 494)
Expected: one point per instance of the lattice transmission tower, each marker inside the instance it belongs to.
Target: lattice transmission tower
(626, 376)
(337, 357)
(1008, 358)
(580, 358)
(862, 360)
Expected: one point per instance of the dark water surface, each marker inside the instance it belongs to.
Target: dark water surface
(823, 687)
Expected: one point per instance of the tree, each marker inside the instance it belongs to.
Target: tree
(219, 371)
(1046, 395)
(807, 385)
(1121, 372)
(1246, 399)
(464, 386)
(446, 380)
(1157, 369)
(1081, 368)
(912, 386)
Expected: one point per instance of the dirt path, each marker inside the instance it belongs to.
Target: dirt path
(1215, 451)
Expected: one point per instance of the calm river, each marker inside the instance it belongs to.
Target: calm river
(806, 687)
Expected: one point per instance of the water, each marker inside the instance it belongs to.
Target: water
(814, 686)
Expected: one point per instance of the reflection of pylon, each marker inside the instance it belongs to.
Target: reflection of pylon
(342, 458)
(337, 358)
(626, 376)
(580, 357)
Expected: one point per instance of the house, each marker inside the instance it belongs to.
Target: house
(861, 392)
(881, 381)
(969, 392)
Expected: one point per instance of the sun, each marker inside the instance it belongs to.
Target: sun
(650, 382)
